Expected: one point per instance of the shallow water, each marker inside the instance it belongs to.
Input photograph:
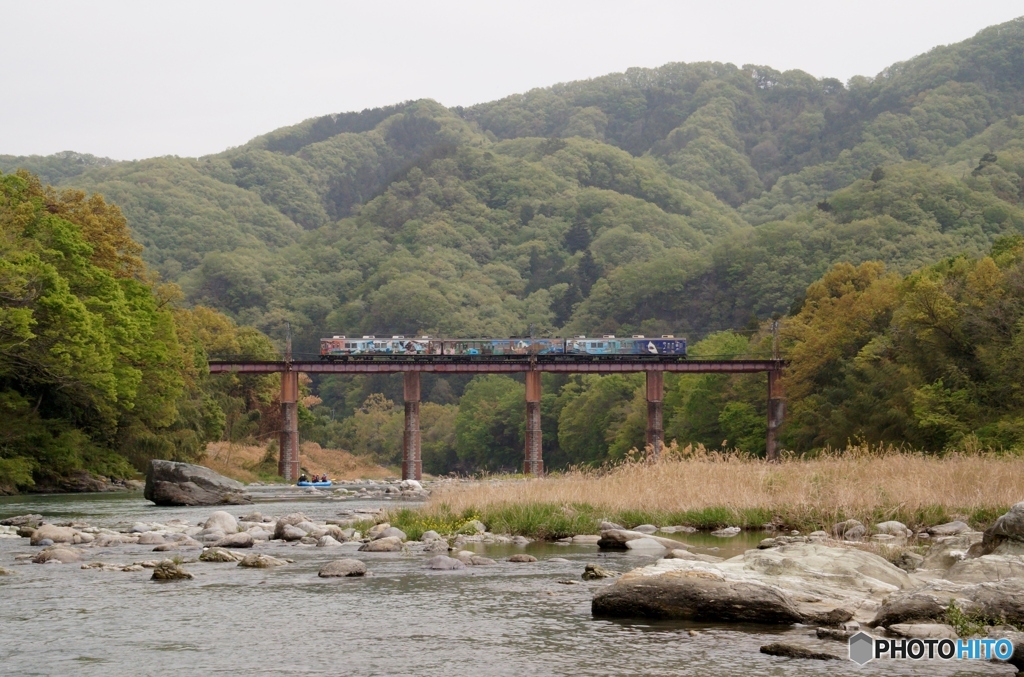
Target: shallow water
(509, 619)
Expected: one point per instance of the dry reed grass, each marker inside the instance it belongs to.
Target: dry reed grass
(250, 463)
(700, 487)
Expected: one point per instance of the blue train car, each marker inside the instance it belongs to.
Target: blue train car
(639, 345)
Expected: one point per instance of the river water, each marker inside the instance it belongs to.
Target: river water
(508, 619)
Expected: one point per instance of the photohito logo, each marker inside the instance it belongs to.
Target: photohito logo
(865, 648)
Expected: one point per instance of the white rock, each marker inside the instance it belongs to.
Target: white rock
(223, 521)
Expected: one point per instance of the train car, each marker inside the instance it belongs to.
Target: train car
(511, 347)
(343, 347)
(638, 345)
(608, 346)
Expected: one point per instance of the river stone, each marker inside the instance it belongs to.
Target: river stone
(386, 544)
(788, 650)
(58, 553)
(149, 538)
(850, 530)
(522, 557)
(410, 485)
(1006, 534)
(242, 539)
(436, 546)
(799, 583)
(224, 521)
(616, 539)
(290, 532)
(32, 520)
(288, 520)
(586, 539)
(391, 532)
(678, 530)
(45, 542)
(6, 572)
(173, 483)
(893, 528)
(645, 544)
(727, 532)
(328, 542)
(444, 563)
(607, 526)
(464, 556)
(220, 555)
(54, 533)
(167, 570)
(429, 536)
(949, 528)
(909, 561)
(260, 561)
(985, 568)
(252, 517)
(479, 561)
(923, 630)
(694, 556)
(342, 567)
(948, 550)
(1003, 599)
(26, 531)
(645, 528)
(82, 537)
(376, 530)
(593, 572)
(477, 526)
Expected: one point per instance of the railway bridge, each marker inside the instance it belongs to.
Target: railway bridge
(532, 366)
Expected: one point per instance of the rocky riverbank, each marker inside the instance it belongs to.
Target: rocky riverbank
(944, 581)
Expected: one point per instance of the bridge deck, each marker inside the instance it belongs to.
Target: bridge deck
(476, 365)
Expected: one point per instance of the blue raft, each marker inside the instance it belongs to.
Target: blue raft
(314, 484)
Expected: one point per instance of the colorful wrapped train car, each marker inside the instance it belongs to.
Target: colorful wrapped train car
(605, 347)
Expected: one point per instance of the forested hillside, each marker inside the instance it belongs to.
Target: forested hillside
(692, 199)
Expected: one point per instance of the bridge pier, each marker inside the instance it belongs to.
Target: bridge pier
(655, 420)
(288, 442)
(534, 463)
(776, 412)
(412, 463)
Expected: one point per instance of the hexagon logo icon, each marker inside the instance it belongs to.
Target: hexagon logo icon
(862, 648)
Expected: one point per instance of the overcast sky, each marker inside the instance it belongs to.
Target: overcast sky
(135, 79)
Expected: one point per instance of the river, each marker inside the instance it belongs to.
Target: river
(509, 619)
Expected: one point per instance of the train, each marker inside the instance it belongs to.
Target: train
(608, 346)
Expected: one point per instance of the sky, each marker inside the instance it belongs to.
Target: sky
(129, 80)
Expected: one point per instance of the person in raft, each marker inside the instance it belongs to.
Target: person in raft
(303, 478)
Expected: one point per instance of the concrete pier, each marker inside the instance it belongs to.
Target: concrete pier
(412, 463)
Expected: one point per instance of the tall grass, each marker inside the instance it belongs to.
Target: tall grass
(695, 487)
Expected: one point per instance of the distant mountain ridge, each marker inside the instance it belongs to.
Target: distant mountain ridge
(685, 198)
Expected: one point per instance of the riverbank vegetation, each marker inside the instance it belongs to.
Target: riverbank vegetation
(100, 368)
(692, 486)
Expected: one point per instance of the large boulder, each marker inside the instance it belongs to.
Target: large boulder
(799, 583)
(173, 483)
